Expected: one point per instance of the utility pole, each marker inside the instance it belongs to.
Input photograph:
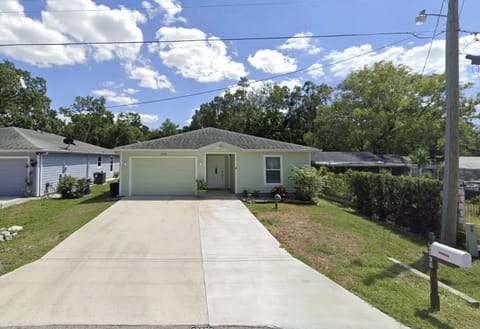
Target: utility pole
(450, 177)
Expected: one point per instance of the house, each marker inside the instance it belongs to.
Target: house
(32, 162)
(364, 161)
(225, 159)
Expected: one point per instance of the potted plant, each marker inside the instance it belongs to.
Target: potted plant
(202, 187)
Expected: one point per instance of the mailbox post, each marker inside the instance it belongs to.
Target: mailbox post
(440, 253)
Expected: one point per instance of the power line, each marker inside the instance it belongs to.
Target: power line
(183, 7)
(433, 38)
(261, 80)
(324, 36)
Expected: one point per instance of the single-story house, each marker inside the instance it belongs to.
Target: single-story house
(365, 161)
(224, 159)
(32, 162)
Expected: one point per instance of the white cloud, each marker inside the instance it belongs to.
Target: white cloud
(97, 23)
(272, 61)
(171, 10)
(301, 41)
(18, 28)
(316, 71)
(130, 91)
(112, 96)
(290, 83)
(355, 58)
(148, 118)
(148, 78)
(203, 61)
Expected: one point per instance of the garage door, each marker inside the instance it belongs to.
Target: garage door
(163, 176)
(12, 176)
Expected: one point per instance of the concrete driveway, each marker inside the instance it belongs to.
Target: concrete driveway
(179, 263)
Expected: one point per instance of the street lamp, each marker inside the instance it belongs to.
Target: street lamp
(448, 233)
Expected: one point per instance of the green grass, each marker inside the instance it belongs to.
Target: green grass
(352, 251)
(46, 223)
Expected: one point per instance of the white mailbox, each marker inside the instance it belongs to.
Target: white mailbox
(450, 255)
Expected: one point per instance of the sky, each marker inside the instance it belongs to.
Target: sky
(164, 58)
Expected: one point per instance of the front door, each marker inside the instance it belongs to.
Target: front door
(216, 171)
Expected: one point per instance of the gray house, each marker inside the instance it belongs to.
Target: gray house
(32, 162)
(363, 161)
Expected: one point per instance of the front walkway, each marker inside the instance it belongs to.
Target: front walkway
(178, 263)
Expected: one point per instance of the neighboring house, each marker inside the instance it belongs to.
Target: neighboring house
(469, 168)
(32, 162)
(226, 160)
(365, 161)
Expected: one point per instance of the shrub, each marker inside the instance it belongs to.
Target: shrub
(70, 187)
(406, 201)
(116, 174)
(308, 183)
(201, 184)
(280, 190)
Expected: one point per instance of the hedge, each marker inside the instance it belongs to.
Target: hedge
(410, 202)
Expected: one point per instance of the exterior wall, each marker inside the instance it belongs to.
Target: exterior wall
(251, 170)
(56, 165)
(246, 169)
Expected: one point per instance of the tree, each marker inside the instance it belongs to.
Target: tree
(388, 109)
(167, 128)
(23, 101)
(127, 129)
(90, 121)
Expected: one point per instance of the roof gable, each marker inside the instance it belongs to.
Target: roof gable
(203, 138)
(19, 139)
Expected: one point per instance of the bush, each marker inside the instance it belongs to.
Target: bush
(70, 187)
(280, 190)
(406, 201)
(308, 183)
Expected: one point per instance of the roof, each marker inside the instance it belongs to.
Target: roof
(358, 159)
(20, 139)
(198, 139)
(469, 162)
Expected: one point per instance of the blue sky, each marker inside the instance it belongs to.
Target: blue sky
(152, 70)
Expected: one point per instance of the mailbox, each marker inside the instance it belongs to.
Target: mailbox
(451, 256)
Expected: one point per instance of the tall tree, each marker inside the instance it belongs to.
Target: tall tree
(23, 101)
(89, 120)
(388, 109)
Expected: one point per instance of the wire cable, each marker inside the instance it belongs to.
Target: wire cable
(324, 36)
(433, 39)
(260, 80)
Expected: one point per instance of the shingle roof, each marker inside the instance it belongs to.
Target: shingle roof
(19, 139)
(358, 159)
(198, 139)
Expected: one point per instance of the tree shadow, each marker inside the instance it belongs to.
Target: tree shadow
(102, 197)
(426, 314)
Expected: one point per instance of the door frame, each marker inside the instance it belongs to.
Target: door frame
(229, 167)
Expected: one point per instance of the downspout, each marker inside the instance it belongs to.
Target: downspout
(38, 172)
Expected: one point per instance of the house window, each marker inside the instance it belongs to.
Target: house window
(111, 164)
(273, 170)
(99, 161)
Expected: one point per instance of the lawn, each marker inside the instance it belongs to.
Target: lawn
(46, 223)
(352, 251)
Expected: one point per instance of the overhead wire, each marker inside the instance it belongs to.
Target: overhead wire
(213, 39)
(273, 77)
(433, 39)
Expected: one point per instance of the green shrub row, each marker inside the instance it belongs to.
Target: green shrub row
(406, 201)
(70, 187)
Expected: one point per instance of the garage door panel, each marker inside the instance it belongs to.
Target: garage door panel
(12, 176)
(163, 176)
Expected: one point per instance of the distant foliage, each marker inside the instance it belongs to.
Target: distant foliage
(70, 187)
(406, 201)
(308, 183)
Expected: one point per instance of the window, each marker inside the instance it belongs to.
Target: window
(273, 170)
(99, 161)
(111, 164)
